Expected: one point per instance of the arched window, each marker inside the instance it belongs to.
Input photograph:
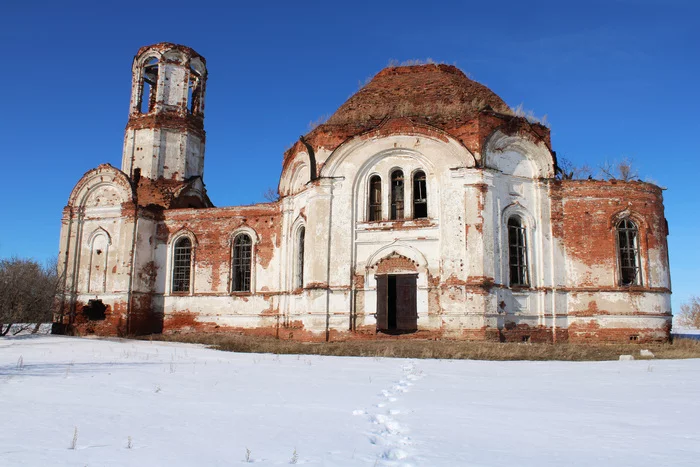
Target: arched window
(420, 197)
(375, 198)
(628, 253)
(194, 92)
(149, 86)
(242, 259)
(299, 279)
(517, 252)
(182, 265)
(396, 195)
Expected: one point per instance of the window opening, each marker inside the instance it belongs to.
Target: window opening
(628, 252)
(149, 86)
(300, 258)
(182, 263)
(420, 198)
(375, 198)
(95, 310)
(193, 92)
(242, 259)
(517, 251)
(397, 195)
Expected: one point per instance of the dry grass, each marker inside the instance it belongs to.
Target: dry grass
(445, 349)
(405, 108)
(528, 115)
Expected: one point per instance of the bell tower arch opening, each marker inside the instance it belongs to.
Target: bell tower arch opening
(149, 86)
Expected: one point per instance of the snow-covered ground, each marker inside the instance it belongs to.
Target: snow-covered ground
(184, 405)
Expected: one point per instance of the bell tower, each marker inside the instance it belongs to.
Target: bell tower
(164, 137)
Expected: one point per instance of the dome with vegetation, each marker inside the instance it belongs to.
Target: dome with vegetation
(440, 94)
(419, 98)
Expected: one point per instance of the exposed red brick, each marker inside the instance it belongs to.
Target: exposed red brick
(585, 212)
(434, 100)
(395, 264)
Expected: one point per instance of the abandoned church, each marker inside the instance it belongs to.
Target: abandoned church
(424, 206)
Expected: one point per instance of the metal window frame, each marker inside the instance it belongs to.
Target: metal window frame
(241, 263)
(397, 206)
(181, 271)
(517, 249)
(301, 240)
(630, 251)
(374, 204)
(418, 177)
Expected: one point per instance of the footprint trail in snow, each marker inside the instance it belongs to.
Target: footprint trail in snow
(387, 431)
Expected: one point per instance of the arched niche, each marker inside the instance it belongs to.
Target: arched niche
(519, 156)
(99, 242)
(295, 174)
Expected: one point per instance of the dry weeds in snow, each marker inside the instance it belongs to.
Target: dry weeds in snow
(445, 349)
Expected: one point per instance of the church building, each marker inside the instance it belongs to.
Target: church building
(424, 207)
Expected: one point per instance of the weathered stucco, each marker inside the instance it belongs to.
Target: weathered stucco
(482, 166)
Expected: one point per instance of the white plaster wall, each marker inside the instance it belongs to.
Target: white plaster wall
(95, 221)
(436, 243)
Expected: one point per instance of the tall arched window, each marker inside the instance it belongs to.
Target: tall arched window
(149, 86)
(375, 198)
(182, 265)
(396, 195)
(628, 253)
(420, 197)
(299, 280)
(241, 265)
(517, 252)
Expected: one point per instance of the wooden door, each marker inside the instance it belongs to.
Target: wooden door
(382, 302)
(406, 307)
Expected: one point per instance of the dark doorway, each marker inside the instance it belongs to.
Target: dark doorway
(396, 303)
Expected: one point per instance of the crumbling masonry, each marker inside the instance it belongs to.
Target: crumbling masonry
(422, 207)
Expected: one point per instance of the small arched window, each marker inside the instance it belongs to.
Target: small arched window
(182, 265)
(149, 86)
(420, 197)
(396, 195)
(375, 198)
(517, 252)
(628, 253)
(301, 236)
(241, 263)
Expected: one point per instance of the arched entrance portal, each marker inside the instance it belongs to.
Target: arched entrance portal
(397, 276)
(396, 303)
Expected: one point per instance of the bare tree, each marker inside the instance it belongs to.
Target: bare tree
(27, 291)
(623, 170)
(271, 195)
(690, 313)
(569, 171)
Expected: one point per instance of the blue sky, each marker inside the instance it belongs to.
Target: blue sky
(615, 79)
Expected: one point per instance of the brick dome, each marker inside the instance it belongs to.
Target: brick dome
(437, 96)
(440, 94)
